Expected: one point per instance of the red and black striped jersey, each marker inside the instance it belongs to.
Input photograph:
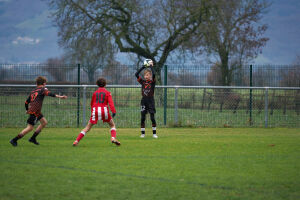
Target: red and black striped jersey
(34, 101)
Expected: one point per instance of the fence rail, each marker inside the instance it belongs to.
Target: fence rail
(193, 106)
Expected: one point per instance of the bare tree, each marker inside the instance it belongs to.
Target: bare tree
(117, 73)
(290, 76)
(234, 33)
(92, 54)
(214, 76)
(150, 29)
(182, 78)
(58, 68)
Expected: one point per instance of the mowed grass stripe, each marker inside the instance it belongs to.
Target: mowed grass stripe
(160, 179)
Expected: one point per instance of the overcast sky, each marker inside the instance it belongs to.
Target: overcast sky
(27, 34)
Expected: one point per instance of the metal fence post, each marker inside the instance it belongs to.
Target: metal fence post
(165, 93)
(176, 106)
(266, 107)
(84, 106)
(78, 94)
(250, 97)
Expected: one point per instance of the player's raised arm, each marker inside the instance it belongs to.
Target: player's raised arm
(61, 96)
(153, 73)
(137, 74)
(51, 94)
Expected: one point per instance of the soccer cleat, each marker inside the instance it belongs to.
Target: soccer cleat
(75, 143)
(33, 141)
(142, 135)
(114, 141)
(155, 136)
(13, 142)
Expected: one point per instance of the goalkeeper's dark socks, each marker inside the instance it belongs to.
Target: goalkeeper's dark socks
(143, 131)
(154, 129)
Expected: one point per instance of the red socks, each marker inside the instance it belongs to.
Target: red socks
(80, 136)
(113, 132)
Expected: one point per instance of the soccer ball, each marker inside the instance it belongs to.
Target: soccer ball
(148, 62)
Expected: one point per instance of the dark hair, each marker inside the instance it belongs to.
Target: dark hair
(40, 80)
(101, 82)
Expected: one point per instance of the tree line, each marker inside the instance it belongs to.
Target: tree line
(93, 32)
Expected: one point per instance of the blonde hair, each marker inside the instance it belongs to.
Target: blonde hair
(147, 71)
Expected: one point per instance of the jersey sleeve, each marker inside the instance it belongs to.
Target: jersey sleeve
(153, 74)
(111, 103)
(27, 102)
(46, 92)
(140, 80)
(137, 74)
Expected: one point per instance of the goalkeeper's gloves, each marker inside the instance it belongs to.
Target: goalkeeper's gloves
(113, 115)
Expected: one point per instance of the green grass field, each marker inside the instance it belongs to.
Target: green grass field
(206, 163)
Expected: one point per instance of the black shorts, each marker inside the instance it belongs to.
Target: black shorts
(32, 119)
(148, 105)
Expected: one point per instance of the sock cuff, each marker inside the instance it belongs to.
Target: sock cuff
(142, 129)
(154, 128)
(113, 129)
(83, 132)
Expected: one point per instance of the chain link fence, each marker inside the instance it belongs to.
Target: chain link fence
(177, 106)
(189, 75)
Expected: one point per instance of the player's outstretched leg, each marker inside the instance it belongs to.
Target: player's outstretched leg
(20, 135)
(37, 131)
(82, 133)
(113, 133)
(153, 125)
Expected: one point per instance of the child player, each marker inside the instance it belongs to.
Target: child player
(147, 102)
(33, 106)
(99, 108)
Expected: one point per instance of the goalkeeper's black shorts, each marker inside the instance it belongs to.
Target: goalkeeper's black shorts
(148, 105)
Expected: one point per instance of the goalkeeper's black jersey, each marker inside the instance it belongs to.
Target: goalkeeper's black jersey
(147, 87)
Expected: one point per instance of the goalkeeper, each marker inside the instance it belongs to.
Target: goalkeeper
(147, 102)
